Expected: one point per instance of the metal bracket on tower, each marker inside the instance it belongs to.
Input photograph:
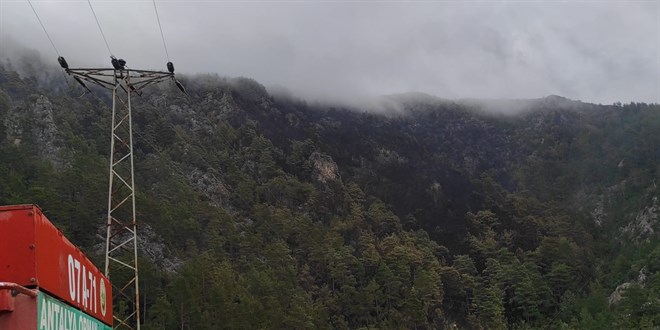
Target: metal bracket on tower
(121, 265)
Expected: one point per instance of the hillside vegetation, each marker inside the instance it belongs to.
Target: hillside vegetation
(261, 211)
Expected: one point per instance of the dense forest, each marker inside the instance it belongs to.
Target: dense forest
(266, 211)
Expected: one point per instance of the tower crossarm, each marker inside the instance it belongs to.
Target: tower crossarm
(105, 77)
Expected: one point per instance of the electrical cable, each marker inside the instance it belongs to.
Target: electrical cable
(161, 31)
(43, 27)
(99, 25)
(48, 36)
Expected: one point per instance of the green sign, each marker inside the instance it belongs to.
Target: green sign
(56, 315)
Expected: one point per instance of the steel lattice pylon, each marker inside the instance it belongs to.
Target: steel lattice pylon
(121, 253)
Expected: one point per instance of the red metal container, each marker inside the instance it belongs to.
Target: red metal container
(31, 309)
(35, 254)
(18, 308)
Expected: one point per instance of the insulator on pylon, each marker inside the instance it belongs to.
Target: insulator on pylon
(114, 62)
(81, 83)
(178, 84)
(170, 67)
(63, 63)
(118, 64)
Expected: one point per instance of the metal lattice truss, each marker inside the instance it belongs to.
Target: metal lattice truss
(121, 241)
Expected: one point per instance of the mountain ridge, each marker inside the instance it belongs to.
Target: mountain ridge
(320, 216)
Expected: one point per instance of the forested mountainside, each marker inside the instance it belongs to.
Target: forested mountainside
(262, 211)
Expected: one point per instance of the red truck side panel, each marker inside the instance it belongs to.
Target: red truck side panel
(34, 253)
(24, 312)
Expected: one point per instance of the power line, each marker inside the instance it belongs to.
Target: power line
(99, 25)
(48, 36)
(161, 31)
(43, 27)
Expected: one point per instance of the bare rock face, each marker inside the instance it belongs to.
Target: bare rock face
(36, 123)
(149, 244)
(641, 225)
(44, 130)
(209, 185)
(646, 224)
(13, 127)
(616, 296)
(598, 213)
(325, 170)
(153, 247)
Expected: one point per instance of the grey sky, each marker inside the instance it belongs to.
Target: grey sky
(595, 51)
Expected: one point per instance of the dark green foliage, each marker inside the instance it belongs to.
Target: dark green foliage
(278, 214)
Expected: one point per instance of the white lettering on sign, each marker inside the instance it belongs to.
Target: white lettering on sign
(94, 296)
(82, 285)
(57, 316)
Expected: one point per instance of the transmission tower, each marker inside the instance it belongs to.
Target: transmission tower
(121, 252)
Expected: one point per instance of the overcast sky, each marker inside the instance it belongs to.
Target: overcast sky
(594, 51)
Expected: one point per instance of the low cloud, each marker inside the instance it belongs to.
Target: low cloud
(600, 52)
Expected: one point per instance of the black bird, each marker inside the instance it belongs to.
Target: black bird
(118, 64)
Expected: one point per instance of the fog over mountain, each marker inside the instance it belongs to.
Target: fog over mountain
(601, 52)
(260, 211)
(351, 164)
